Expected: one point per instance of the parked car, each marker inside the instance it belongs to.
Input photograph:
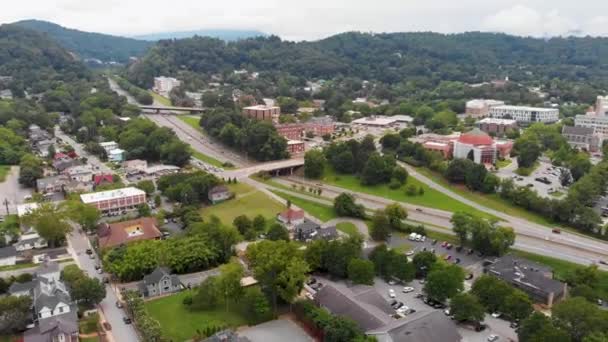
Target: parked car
(408, 289)
(127, 320)
(496, 314)
(492, 338)
(469, 276)
(449, 246)
(391, 293)
(118, 304)
(410, 252)
(457, 261)
(447, 257)
(89, 251)
(458, 249)
(480, 327)
(556, 231)
(398, 306)
(434, 242)
(392, 282)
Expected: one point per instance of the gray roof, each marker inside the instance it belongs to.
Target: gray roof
(44, 182)
(7, 252)
(48, 328)
(367, 308)
(20, 287)
(29, 241)
(525, 274)
(328, 233)
(158, 274)
(307, 227)
(226, 336)
(421, 326)
(578, 130)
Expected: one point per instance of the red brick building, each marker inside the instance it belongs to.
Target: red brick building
(115, 200)
(263, 112)
(295, 147)
(290, 131)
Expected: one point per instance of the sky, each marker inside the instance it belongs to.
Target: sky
(315, 19)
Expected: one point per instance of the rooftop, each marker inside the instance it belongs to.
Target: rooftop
(578, 130)
(497, 121)
(26, 208)
(375, 121)
(526, 108)
(119, 233)
(110, 194)
(525, 273)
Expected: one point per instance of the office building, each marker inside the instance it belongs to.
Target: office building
(525, 115)
(115, 200)
(480, 108)
(582, 137)
(263, 112)
(290, 131)
(497, 127)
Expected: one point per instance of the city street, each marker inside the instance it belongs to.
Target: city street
(78, 244)
(98, 165)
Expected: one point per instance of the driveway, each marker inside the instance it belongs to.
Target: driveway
(360, 224)
(78, 244)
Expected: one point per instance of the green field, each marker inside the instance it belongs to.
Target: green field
(192, 121)
(163, 100)
(526, 171)
(503, 163)
(318, 210)
(348, 228)
(248, 201)
(282, 186)
(207, 159)
(561, 268)
(431, 197)
(180, 324)
(4, 170)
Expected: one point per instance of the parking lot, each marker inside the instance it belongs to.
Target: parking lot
(549, 187)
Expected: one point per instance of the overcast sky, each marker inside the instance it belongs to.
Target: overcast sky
(313, 19)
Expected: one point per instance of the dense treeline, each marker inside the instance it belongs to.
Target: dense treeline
(35, 61)
(187, 188)
(139, 94)
(259, 139)
(88, 44)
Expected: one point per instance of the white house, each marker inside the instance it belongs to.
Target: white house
(116, 155)
(8, 256)
(80, 173)
(30, 241)
(109, 146)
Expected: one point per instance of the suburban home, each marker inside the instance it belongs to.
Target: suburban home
(8, 256)
(42, 147)
(219, 193)
(53, 184)
(31, 240)
(116, 234)
(78, 187)
(135, 166)
(62, 328)
(533, 278)
(81, 173)
(159, 282)
(373, 314)
(308, 230)
(291, 217)
(102, 179)
(65, 163)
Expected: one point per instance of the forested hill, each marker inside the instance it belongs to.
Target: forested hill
(390, 58)
(90, 45)
(34, 60)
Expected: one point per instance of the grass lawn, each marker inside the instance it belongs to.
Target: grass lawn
(192, 121)
(208, 159)
(180, 324)
(248, 201)
(4, 338)
(282, 186)
(503, 163)
(431, 197)
(163, 100)
(561, 268)
(320, 211)
(88, 324)
(442, 236)
(4, 169)
(348, 228)
(526, 171)
(492, 201)
(557, 194)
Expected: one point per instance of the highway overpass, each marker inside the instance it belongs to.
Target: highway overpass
(171, 109)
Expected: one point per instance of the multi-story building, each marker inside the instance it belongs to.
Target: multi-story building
(320, 126)
(445, 148)
(525, 115)
(290, 131)
(497, 127)
(598, 122)
(601, 105)
(582, 137)
(480, 108)
(295, 147)
(481, 147)
(81, 173)
(115, 200)
(263, 112)
(163, 85)
(109, 146)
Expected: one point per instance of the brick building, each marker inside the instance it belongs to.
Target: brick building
(497, 127)
(263, 112)
(290, 131)
(295, 147)
(115, 200)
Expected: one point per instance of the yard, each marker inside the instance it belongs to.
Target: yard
(248, 201)
(347, 228)
(503, 163)
(431, 198)
(526, 171)
(318, 210)
(180, 324)
(161, 99)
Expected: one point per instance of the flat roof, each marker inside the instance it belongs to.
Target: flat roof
(26, 208)
(435, 143)
(261, 107)
(294, 142)
(537, 109)
(403, 118)
(375, 121)
(110, 194)
(107, 143)
(497, 121)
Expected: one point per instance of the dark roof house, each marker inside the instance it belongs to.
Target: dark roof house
(309, 230)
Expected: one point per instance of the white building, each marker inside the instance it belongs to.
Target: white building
(109, 145)
(163, 85)
(592, 120)
(377, 121)
(480, 108)
(115, 200)
(30, 241)
(523, 114)
(601, 105)
(26, 208)
(80, 173)
(116, 155)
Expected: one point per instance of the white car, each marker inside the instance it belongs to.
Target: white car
(496, 314)
(408, 289)
(410, 253)
(392, 282)
(391, 293)
(492, 338)
(403, 309)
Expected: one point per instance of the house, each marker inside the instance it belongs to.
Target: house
(8, 256)
(102, 179)
(159, 282)
(63, 164)
(219, 193)
(534, 279)
(30, 241)
(309, 230)
(121, 233)
(42, 147)
(50, 185)
(109, 146)
(78, 187)
(291, 217)
(116, 155)
(81, 173)
(135, 166)
(582, 137)
(62, 328)
(372, 313)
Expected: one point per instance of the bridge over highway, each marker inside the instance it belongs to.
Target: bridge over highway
(171, 109)
(288, 165)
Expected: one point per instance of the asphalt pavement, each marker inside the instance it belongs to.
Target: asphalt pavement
(12, 192)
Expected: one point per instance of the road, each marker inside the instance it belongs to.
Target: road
(118, 90)
(78, 244)
(12, 191)
(197, 140)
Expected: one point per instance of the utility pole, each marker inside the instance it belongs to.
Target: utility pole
(6, 202)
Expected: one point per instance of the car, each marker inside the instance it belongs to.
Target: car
(469, 276)
(433, 250)
(418, 209)
(492, 338)
(480, 254)
(470, 251)
(399, 305)
(421, 281)
(393, 302)
(91, 256)
(166, 234)
(449, 246)
(410, 252)
(457, 261)
(480, 327)
(391, 293)
(403, 309)
(100, 271)
(556, 231)
(106, 326)
(447, 312)
(127, 320)
(418, 295)
(97, 266)
(444, 244)
(439, 305)
(447, 257)
(408, 289)
(496, 314)
(514, 325)
(458, 249)
(392, 282)
(89, 251)
(118, 304)
(603, 262)
(600, 302)
(434, 242)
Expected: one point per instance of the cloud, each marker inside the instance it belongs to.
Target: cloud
(525, 21)
(597, 26)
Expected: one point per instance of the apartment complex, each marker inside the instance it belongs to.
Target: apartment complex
(115, 200)
(497, 127)
(263, 112)
(525, 115)
(163, 85)
(295, 147)
(290, 131)
(320, 126)
(480, 108)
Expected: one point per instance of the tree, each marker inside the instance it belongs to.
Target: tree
(528, 150)
(15, 314)
(461, 223)
(361, 271)
(85, 215)
(492, 292)
(466, 307)
(314, 162)
(243, 224)
(30, 169)
(345, 205)
(444, 282)
(378, 169)
(400, 174)
(279, 268)
(143, 210)
(259, 224)
(395, 213)
(277, 232)
(175, 153)
(147, 186)
(579, 317)
(229, 282)
(255, 305)
(423, 261)
(50, 222)
(340, 330)
(380, 228)
(517, 305)
(596, 337)
(539, 328)
(88, 291)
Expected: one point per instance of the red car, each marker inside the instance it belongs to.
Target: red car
(444, 243)
(448, 257)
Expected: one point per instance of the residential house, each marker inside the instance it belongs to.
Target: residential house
(42, 147)
(291, 217)
(533, 278)
(50, 185)
(219, 193)
(102, 179)
(159, 282)
(116, 155)
(62, 328)
(135, 166)
(63, 164)
(78, 187)
(8, 256)
(121, 233)
(109, 146)
(81, 173)
(308, 230)
(30, 241)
